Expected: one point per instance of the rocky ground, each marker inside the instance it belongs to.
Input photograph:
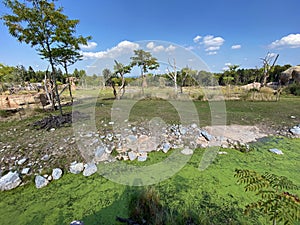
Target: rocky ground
(45, 154)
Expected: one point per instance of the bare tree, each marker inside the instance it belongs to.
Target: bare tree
(268, 66)
(173, 74)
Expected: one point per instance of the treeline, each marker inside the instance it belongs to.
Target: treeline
(185, 77)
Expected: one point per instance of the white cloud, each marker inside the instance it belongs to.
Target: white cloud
(236, 46)
(197, 39)
(211, 43)
(90, 45)
(150, 45)
(212, 48)
(212, 53)
(289, 41)
(228, 64)
(170, 48)
(210, 40)
(160, 48)
(121, 48)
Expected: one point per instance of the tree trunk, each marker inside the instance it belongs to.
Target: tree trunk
(69, 83)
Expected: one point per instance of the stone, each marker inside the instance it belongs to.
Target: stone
(45, 158)
(142, 157)
(40, 181)
(89, 169)
(132, 155)
(76, 168)
(276, 151)
(22, 161)
(101, 154)
(295, 130)
(166, 147)
(76, 222)
(131, 139)
(194, 126)
(182, 130)
(10, 181)
(206, 135)
(25, 171)
(187, 151)
(57, 173)
(222, 153)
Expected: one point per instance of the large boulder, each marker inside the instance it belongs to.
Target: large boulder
(10, 181)
(292, 73)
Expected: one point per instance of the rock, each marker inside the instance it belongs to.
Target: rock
(182, 130)
(76, 222)
(25, 171)
(49, 178)
(131, 139)
(295, 130)
(194, 126)
(101, 154)
(52, 129)
(206, 135)
(76, 168)
(21, 161)
(40, 181)
(56, 173)
(147, 144)
(10, 181)
(166, 147)
(142, 157)
(45, 158)
(132, 155)
(276, 151)
(187, 151)
(89, 169)
(222, 153)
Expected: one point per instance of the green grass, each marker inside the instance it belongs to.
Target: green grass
(95, 200)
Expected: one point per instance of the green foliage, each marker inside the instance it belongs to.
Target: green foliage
(274, 200)
(293, 89)
(144, 60)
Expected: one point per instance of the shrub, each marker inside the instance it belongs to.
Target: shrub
(294, 89)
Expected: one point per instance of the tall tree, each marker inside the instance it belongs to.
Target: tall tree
(146, 62)
(42, 25)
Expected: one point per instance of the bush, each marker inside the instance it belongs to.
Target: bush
(294, 89)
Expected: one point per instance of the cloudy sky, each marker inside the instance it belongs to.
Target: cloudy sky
(218, 32)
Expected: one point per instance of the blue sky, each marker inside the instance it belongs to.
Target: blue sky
(219, 32)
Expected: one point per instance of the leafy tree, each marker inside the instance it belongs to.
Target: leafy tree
(107, 74)
(274, 201)
(43, 26)
(120, 70)
(146, 62)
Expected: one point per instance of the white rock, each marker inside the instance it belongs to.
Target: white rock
(57, 173)
(25, 171)
(276, 151)
(142, 158)
(10, 181)
(76, 168)
(132, 155)
(89, 169)
(40, 181)
(187, 151)
(21, 161)
(45, 158)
